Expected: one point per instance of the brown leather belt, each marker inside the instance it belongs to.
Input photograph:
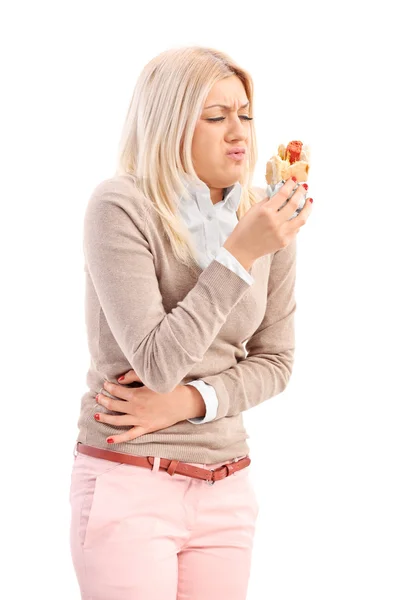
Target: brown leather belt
(171, 466)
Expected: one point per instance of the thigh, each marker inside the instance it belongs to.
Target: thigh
(216, 562)
(118, 535)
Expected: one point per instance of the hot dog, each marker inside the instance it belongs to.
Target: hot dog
(291, 160)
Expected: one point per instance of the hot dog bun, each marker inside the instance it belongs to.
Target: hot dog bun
(291, 160)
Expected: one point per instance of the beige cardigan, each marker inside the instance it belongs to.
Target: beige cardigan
(146, 311)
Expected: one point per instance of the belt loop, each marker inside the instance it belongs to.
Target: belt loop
(156, 464)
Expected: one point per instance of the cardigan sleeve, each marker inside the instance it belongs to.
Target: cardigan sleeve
(226, 258)
(266, 370)
(161, 347)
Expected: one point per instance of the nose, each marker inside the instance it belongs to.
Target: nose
(237, 129)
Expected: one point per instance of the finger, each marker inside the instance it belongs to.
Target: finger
(128, 377)
(129, 435)
(305, 211)
(299, 220)
(283, 194)
(293, 203)
(111, 404)
(118, 390)
(115, 419)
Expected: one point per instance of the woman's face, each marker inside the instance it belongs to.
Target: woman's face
(213, 139)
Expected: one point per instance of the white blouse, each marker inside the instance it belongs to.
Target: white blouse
(210, 224)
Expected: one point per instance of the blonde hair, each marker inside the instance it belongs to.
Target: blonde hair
(156, 141)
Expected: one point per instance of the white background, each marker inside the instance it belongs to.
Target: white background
(326, 451)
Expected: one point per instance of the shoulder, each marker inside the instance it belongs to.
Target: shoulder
(118, 189)
(116, 198)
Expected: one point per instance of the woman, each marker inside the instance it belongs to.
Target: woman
(185, 265)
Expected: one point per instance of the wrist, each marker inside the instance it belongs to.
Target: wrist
(194, 403)
(240, 256)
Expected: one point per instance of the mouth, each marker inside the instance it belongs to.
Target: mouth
(237, 155)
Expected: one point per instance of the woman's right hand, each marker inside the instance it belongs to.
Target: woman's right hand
(264, 229)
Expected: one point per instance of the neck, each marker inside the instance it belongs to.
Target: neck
(216, 194)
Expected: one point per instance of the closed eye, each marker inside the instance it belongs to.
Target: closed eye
(245, 117)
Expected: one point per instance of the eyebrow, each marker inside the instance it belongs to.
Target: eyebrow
(225, 107)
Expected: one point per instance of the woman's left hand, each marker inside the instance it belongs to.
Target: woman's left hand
(148, 411)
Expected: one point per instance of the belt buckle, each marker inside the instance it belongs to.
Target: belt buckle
(211, 481)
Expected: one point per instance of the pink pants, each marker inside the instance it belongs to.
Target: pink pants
(142, 534)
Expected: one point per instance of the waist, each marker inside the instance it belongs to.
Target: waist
(216, 441)
(209, 472)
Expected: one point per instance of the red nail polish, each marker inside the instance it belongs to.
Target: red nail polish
(110, 441)
(305, 186)
(97, 417)
(294, 178)
(97, 397)
(121, 378)
(311, 200)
